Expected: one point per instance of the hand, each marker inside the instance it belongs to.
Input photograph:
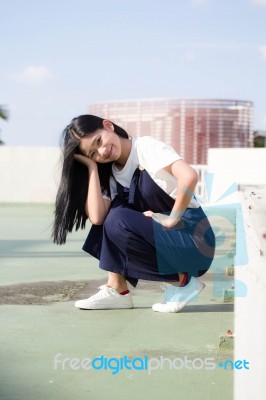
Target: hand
(168, 221)
(85, 160)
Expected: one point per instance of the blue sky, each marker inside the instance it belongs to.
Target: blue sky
(57, 57)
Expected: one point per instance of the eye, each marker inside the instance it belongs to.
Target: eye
(92, 154)
(98, 141)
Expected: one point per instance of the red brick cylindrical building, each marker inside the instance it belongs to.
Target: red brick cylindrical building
(191, 126)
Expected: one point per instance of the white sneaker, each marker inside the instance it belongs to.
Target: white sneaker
(106, 299)
(177, 297)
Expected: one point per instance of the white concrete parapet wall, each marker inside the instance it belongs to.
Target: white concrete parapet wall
(246, 167)
(29, 174)
(250, 311)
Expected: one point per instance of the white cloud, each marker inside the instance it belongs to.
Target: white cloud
(262, 50)
(33, 75)
(258, 2)
(203, 45)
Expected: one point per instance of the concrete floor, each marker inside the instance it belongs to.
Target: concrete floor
(39, 284)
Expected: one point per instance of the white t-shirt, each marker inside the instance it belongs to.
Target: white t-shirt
(152, 155)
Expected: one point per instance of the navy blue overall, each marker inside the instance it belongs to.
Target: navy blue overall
(137, 247)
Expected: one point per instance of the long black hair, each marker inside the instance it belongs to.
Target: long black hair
(73, 187)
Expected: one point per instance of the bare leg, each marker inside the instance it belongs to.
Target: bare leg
(117, 282)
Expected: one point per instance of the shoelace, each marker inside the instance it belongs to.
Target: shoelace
(103, 290)
(107, 289)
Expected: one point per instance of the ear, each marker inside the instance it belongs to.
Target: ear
(108, 125)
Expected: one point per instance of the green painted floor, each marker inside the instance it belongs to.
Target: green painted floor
(37, 323)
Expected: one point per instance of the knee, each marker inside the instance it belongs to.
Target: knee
(116, 219)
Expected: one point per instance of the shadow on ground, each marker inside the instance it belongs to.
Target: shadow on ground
(43, 293)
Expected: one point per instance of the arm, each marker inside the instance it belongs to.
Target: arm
(187, 180)
(96, 206)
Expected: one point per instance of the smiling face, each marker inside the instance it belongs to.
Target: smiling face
(102, 146)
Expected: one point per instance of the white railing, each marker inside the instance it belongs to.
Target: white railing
(200, 189)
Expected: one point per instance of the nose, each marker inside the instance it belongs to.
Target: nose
(102, 151)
